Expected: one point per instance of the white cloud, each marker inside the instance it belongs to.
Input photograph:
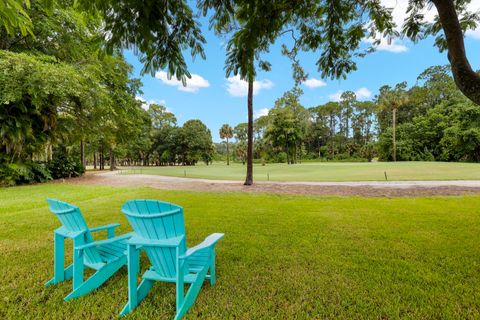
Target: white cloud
(394, 46)
(335, 96)
(362, 94)
(399, 8)
(146, 103)
(314, 83)
(399, 13)
(473, 33)
(239, 88)
(260, 113)
(194, 84)
(473, 6)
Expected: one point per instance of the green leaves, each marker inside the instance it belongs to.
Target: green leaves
(226, 132)
(158, 31)
(40, 96)
(13, 16)
(435, 122)
(187, 144)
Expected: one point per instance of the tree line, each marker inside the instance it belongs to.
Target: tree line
(430, 121)
(166, 143)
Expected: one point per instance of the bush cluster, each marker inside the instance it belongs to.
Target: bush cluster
(65, 166)
(61, 166)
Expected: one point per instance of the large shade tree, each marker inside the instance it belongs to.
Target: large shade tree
(252, 27)
(58, 92)
(337, 28)
(454, 19)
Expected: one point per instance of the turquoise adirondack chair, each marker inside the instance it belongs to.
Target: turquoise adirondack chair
(159, 229)
(104, 256)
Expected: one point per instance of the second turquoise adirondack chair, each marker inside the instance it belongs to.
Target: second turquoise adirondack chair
(159, 229)
(104, 256)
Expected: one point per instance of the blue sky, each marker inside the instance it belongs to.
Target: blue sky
(216, 100)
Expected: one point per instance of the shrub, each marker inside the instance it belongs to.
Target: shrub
(38, 172)
(65, 166)
(10, 173)
(281, 157)
(21, 173)
(368, 151)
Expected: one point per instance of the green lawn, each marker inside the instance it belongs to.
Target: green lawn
(282, 257)
(325, 171)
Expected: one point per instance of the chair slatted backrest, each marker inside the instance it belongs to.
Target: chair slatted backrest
(157, 220)
(72, 220)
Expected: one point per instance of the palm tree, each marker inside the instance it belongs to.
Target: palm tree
(390, 100)
(226, 132)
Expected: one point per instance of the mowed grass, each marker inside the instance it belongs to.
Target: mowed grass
(283, 257)
(324, 171)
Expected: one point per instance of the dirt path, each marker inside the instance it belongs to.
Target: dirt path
(367, 188)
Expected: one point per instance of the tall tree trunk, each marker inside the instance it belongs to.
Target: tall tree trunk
(82, 153)
(50, 152)
(112, 160)
(287, 150)
(294, 153)
(340, 136)
(249, 178)
(102, 160)
(394, 115)
(228, 154)
(94, 160)
(347, 128)
(332, 133)
(467, 80)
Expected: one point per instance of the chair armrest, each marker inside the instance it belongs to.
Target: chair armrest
(140, 241)
(68, 234)
(108, 226)
(208, 243)
(102, 242)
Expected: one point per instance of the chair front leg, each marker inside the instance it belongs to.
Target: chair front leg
(59, 258)
(133, 268)
(78, 268)
(60, 273)
(180, 291)
(135, 294)
(212, 267)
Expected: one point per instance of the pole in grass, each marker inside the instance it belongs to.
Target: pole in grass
(385, 173)
(185, 173)
(268, 176)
